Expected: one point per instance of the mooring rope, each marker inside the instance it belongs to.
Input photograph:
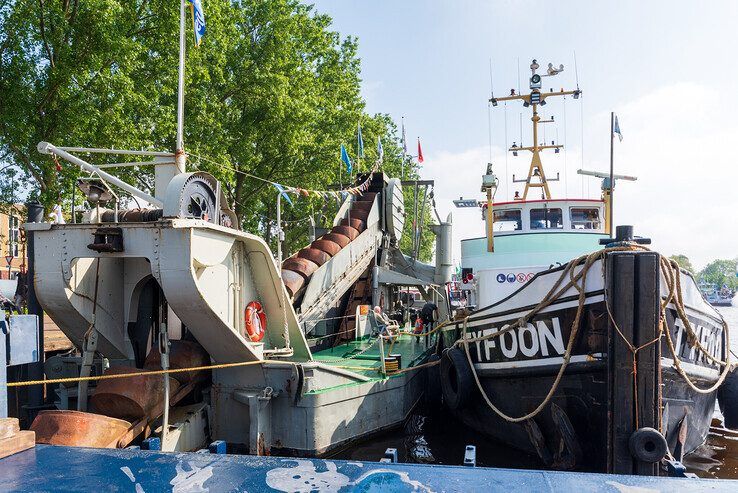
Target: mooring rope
(671, 273)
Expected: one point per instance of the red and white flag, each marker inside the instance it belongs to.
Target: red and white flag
(420, 152)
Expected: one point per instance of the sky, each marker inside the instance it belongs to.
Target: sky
(667, 69)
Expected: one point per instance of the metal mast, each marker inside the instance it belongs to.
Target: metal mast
(536, 175)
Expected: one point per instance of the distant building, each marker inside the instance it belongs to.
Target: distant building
(11, 242)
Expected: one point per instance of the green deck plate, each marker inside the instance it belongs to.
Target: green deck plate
(368, 363)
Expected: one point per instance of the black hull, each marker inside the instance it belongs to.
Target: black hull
(600, 400)
(582, 395)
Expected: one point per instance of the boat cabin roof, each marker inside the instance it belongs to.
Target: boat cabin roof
(548, 216)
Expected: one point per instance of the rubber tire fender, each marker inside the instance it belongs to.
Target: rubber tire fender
(457, 381)
(433, 385)
(647, 445)
(728, 400)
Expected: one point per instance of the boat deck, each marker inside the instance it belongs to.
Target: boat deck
(364, 355)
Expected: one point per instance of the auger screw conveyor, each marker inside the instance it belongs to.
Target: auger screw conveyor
(168, 284)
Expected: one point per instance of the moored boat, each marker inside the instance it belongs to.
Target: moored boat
(584, 348)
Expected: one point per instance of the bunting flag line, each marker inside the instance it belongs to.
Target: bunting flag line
(198, 20)
(360, 143)
(420, 152)
(346, 159)
(305, 192)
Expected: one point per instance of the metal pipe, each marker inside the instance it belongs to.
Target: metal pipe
(35, 214)
(47, 148)
(136, 163)
(99, 150)
(180, 88)
(164, 352)
(280, 234)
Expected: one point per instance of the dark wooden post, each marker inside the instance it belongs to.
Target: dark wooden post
(633, 295)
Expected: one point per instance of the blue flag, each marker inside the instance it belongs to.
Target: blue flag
(346, 159)
(283, 193)
(198, 20)
(360, 143)
(380, 149)
(616, 128)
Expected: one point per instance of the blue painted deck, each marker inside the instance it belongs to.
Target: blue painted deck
(47, 468)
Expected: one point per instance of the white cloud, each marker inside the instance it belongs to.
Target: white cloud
(678, 141)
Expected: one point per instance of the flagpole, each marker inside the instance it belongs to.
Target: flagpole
(612, 174)
(179, 154)
(404, 145)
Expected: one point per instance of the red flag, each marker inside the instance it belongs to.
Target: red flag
(420, 152)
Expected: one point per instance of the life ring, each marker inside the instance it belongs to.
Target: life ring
(256, 321)
(457, 381)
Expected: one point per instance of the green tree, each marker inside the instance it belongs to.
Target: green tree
(720, 273)
(683, 262)
(272, 91)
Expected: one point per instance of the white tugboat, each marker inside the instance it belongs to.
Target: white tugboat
(591, 358)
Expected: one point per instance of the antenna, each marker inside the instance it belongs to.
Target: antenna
(576, 72)
(489, 111)
(518, 75)
(507, 176)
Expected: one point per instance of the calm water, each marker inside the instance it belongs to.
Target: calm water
(441, 440)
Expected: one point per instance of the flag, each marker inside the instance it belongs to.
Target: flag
(346, 159)
(616, 128)
(380, 149)
(360, 142)
(198, 20)
(420, 152)
(283, 193)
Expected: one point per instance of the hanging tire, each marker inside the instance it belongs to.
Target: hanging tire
(728, 400)
(433, 385)
(647, 445)
(457, 381)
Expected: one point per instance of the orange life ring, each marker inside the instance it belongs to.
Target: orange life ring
(256, 321)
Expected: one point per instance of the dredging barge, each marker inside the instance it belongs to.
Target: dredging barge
(177, 287)
(598, 359)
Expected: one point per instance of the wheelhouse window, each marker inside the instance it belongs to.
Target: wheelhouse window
(508, 220)
(546, 219)
(585, 218)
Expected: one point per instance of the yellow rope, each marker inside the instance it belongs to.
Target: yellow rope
(144, 373)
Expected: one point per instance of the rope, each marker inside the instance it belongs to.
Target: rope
(668, 269)
(351, 190)
(144, 373)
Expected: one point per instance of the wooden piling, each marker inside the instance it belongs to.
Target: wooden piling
(633, 397)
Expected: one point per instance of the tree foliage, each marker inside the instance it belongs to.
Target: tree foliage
(720, 273)
(683, 262)
(272, 91)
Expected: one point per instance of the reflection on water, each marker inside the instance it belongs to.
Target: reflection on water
(440, 439)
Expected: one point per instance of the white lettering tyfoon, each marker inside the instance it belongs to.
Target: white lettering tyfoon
(531, 350)
(512, 350)
(489, 343)
(530, 340)
(555, 338)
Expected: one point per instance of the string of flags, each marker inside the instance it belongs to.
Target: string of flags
(306, 192)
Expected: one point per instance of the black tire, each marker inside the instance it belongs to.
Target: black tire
(457, 381)
(648, 445)
(433, 385)
(728, 400)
